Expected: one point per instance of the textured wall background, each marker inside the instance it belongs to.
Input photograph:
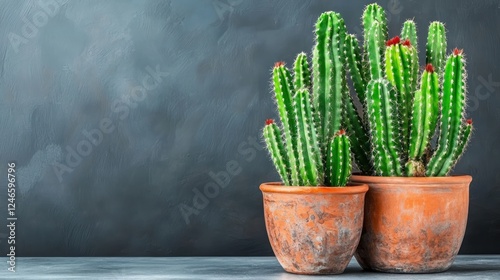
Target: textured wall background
(170, 91)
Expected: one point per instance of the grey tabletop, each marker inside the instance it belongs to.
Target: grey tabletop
(206, 268)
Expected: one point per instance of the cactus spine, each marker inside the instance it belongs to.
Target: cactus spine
(314, 150)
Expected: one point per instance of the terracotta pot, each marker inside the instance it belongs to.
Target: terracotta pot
(413, 224)
(313, 230)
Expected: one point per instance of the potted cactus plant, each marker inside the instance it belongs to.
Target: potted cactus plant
(410, 134)
(314, 221)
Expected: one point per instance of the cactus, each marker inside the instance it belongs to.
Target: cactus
(358, 73)
(374, 48)
(436, 45)
(274, 143)
(399, 67)
(393, 135)
(338, 159)
(329, 75)
(409, 32)
(316, 150)
(302, 73)
(424, 121)
(352, 121)
(402, 114)
(452, 129)
(310, 161)
(283, 88)
(383, 122)
(374, 15)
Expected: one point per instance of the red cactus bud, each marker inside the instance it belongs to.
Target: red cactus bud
(469, 121)
(429, 68)
(341, 132)
(278, 64)
(393, 41)
(269, 121)
(406, 43)
(457, 51)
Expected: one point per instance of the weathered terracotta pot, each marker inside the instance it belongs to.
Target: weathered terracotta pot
(313, 230)
(412, 224)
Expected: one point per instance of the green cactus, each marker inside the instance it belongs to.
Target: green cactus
(302, 73)
(283, 89)
(403, 121)
(393, 134)
(399, 67)
(452, 130)
(384, 125)
(436, 45)
(374, 15)
(310, 161)
(354, 62)
(338, 160)
(409, 32)
(374, 48)
(425, 112)
(314, 150)
(328, 75)
(274, 143)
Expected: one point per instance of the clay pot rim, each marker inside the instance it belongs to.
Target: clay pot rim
(277, 187)
(455, 180)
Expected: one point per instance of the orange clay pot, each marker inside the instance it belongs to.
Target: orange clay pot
(413, 224)
(313, 230)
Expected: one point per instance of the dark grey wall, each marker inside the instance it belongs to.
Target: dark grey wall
(172, 92)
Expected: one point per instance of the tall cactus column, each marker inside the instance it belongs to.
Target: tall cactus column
(283, 89)
(451, 123)
(436, 46)
(399, 67)
(274, 143)
(424, 121)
